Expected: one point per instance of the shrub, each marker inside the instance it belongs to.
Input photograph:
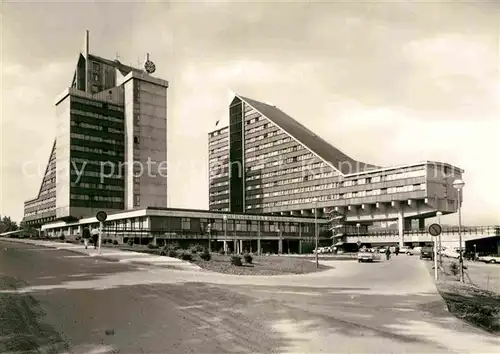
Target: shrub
(236, 260)
(152, 246)
(186, 256)
(171, 253)
(205, 255)
(115, 242)
(130, 242)
(172, 246)
(221, 251)
(248, 258)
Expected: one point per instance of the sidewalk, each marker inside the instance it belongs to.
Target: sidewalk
(112, 254)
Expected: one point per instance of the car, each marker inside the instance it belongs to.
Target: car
(382, 250)
(404, 250)
(450, 253)
(414, 251)
(366, 255)
(427, 253)
(490, 259)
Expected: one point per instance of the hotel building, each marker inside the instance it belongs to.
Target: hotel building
(110, 122)
(265, 162)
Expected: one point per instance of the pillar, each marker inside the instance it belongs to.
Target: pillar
(280, 246)
(300, 246)
(240, 250)
(401, 222)
(225, 246)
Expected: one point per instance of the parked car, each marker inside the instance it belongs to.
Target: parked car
(404, 250)
(365, 255)
(450, 253)
(414, 251)
(427, 253)
(382, 250)
(490, 259)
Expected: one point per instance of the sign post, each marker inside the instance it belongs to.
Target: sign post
(435, 231)
(101, 216)
(209, 229)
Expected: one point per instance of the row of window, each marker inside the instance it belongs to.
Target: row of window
(96, 115)
(95, 150)
(217, 150)
(218, 141)
(280, 153)
(47, 191)
(98, 198)
(219, 132)
(97, 174)
(107, 187)
(385, 178)
(287, 171)
(41, 211)
(96, 104)
(225, 174)
(96, 127)
(214, 194)
(40, 203)
(219, 184)
(221, 201)
(264, 146)
(347, 195)
(97, 139)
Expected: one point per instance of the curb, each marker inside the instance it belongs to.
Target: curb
(97, 256)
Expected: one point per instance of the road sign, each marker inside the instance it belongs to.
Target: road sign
(358, 243)
(435, 230)
(101, 216)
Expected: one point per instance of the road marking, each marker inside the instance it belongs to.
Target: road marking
(190, 307)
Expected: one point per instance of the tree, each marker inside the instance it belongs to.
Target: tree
(6, 224)
(29, 230)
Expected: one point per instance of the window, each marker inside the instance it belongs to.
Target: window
(186, 223)
(96, 67)
(95, 88)
(96, 77)
(136, 140)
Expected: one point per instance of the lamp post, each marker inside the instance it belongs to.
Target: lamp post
(224, 217)
(459, 185)
(358, 225)
(315, 200)
(438, 214)
(280, 242)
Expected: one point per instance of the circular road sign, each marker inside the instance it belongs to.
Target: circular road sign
(435, 230)
(101, 216)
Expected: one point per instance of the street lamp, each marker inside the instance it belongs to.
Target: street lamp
(358, 225)
(438, 214)
(280, 242)
(315, 201)
(224, 217)
(459, 185)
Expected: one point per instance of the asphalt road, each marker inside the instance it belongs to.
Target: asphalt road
(54, 301)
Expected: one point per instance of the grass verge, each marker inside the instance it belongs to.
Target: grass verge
(261, 265)
(478, 307)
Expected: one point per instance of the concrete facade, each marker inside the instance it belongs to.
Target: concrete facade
(279, 168)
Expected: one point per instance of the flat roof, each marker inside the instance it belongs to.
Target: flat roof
(179, 212)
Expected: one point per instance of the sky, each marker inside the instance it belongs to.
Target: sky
(388, 83)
